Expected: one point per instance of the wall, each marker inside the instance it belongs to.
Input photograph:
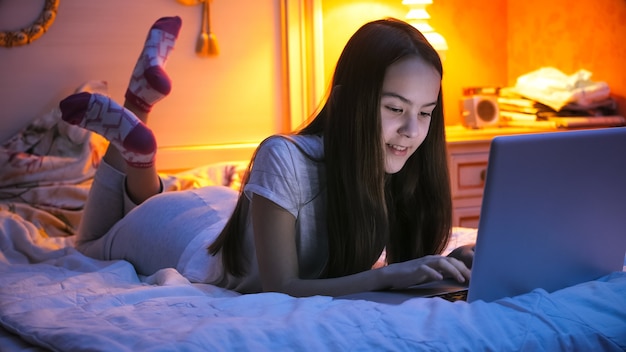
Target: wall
(234, 98)
(570, 35)
(491, 43)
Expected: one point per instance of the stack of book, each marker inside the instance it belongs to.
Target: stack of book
(518, 111)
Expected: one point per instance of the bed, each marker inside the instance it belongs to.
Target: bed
(54, 298)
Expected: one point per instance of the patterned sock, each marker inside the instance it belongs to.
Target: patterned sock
(149, 82)
(100, 114)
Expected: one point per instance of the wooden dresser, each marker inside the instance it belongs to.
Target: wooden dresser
(468, 153)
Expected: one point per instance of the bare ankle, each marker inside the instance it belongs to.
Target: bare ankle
(142, 183)
(140, 113)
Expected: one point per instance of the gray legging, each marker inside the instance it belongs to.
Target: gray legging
(155, 234)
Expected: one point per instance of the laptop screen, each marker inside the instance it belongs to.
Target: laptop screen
(553, 212)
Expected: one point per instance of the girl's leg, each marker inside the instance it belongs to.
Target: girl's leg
(128, 164)
(148, 84)
(156, 234)
(130, 156)
(132, 145)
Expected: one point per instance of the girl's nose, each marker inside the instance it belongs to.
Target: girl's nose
(409, 127)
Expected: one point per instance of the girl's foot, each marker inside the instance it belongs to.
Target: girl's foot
(149, 82)
(98, 113)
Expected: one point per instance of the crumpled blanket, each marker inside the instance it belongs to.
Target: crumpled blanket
(47, 168)
(46, 171)
(555, 89)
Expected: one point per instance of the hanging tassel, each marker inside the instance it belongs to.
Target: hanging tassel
(206, 44)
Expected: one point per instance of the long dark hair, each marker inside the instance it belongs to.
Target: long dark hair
(408, 212)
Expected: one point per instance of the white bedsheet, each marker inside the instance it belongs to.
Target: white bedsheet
(54, 297)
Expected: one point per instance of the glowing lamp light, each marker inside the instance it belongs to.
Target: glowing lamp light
(418, 17)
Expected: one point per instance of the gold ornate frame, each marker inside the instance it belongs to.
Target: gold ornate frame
(30, 33)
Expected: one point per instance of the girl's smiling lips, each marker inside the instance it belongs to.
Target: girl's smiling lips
(397, 149)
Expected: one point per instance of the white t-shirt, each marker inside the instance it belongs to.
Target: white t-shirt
(290, 172)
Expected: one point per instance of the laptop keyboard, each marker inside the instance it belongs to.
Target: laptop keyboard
(453, 296)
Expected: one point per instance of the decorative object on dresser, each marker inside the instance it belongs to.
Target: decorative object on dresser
(479, 107)
(549, 98)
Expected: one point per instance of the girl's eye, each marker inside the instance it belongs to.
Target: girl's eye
(396, 110)
(426, 114)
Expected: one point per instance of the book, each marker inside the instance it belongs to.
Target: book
(517, 116)
(520, 104)
(568, 122)
(590, 121)
(520, 109)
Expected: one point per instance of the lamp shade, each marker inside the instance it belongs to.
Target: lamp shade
(418, 17)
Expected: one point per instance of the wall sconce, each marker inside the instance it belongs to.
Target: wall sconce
(418, 17)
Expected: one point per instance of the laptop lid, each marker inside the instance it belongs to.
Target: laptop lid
(553, 212)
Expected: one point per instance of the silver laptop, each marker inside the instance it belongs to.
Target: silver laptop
(553, 215)
(553, 212)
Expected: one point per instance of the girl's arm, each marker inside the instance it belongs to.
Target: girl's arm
(274, 235)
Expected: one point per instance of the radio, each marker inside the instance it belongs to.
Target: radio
(479, 107)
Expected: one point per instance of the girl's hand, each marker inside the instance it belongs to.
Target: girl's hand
(425, 269)
(464, 254)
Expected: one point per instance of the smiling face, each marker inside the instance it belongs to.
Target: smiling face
(409, 96)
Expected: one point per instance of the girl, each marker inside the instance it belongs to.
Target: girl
(366, 176)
